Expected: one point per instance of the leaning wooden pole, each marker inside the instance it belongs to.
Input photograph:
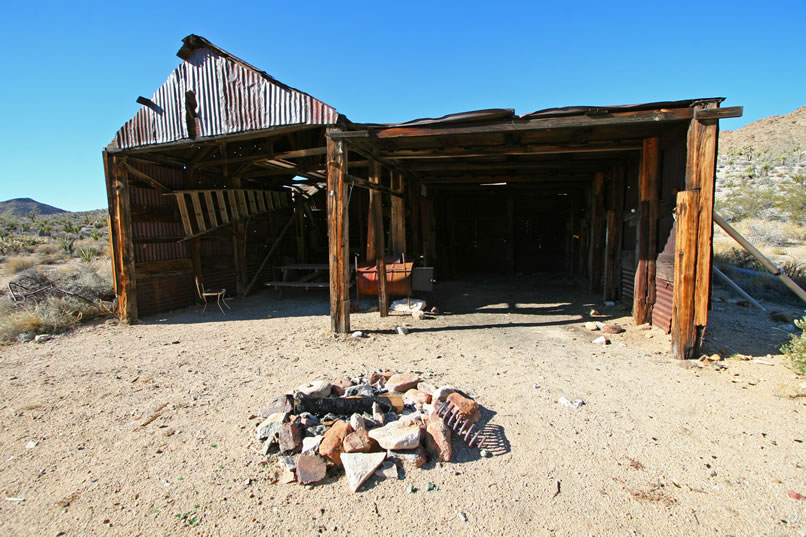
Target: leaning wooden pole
(597, 234)
(127, 292)
(769, 265)
(684, 334)
(338, 236)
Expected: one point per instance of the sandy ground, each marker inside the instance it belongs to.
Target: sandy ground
(658, 449)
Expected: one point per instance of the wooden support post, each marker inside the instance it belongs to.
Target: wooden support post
(700, 175)
(376, 226)
(338, 236)
(239, 246)
(614, 224)
(398, 220)
(597, 234)
(127, 291)
(684, 334)
(112, 220)
(510, 230)
(644, 290)
(300, 231)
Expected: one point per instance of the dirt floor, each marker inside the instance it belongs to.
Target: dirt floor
(148, 429)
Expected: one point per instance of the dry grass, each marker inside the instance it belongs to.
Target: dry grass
(15, 265)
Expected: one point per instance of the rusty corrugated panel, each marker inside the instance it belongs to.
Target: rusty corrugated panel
(232, 97)
(627, 285)
(583, 110)
(147, 252)
(664, 302)
(158, 294)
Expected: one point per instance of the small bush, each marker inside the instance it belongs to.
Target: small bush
(96, 235)
(46, 249)
(87, 255)
(796, 348)
(16, 265)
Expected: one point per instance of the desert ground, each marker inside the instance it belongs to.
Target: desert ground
(149, 429)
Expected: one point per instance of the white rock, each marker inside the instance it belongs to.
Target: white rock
(359, 466)
(419, 315)
(573, 404)
(357, 422)
(357, 333)
(397, 435)
(442, 393)
(601, 340)
(316, 389)
(387, 470)
(310, 444)
(42, 338)
(590, 325)
(30, 445)
(402, 330)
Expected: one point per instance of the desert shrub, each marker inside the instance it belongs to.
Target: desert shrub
(87, 254)
(46, 249)
(14, 244)
(19, 264)
(759, 202)
(768, 232)
(796, 271)
(66, 244)
(791, 200)
(96, 235)
(796, 348)
(55, 311)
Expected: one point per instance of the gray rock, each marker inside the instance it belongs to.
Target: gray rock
(357, 422)
(278, 404)
(359, 466)
(269, 427)
(402, 330)
(316, 430)
(306, 419)
(387, 470)
(25, 337)
(363, 390)
(311, 468)
(41, 338)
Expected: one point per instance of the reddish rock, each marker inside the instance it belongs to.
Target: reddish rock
(612, 329)
(338, 387)
(401, 382)
(311, 468)
(331, 446)
(438, 440)
(442, 393)
(279, 405)
(416, 457)
(359, 442)
(467, 407)
(290, 437)
(415, 396)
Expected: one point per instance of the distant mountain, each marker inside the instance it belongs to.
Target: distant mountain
(774, 135)
(24, 206)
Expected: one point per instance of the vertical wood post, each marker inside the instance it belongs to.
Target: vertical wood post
(644, 290)
(398, 219)
(597, 234)
(338, 237)
(700, 175)
(112, 221)
(239, 250)
(614, 225)
(684, 335)
(510, 225)
(376, 226)
(127, 292)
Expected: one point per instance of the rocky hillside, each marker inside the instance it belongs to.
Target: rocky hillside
(761, 170)
(24, 207)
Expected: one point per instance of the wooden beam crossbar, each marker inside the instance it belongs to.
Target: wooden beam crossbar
(203, 211)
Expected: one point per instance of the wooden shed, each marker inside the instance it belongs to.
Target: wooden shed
(214, 164)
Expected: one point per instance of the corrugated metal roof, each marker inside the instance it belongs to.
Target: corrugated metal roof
(231, 95)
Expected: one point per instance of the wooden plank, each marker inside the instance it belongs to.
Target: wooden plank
(250, 196)
(684, 334)
(649, 170)
(197, 211)
(147, 179)
(338, 237)
(363, 183)
(710, 111)
(378, 247)
(183, 213)
(211, 212)
(260, 200)
(614, 227)
(127, 297)
(222, 206)
(701, 174)
(625, 118)
(398, 217)
(239, 240)
(112, 220)
(525, 149)
(597, 234)
(243, 207)
(310, 152)
(233, 205)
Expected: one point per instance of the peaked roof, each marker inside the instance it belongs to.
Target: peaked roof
(213, 93)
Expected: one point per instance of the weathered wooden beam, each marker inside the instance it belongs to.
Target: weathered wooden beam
(597, 234)
(701, 175)
(239, 240)
(127, 296)
(710, 111)
(526, 149)
(211, 212)
(363, 183)
(197, 211)
(112, 221)
(623, 118)
(146, 178)
(310, 152)
(684, 334)
(644, 290)
(338, 237)
(397, 237)
(378, 248)
(614, 225)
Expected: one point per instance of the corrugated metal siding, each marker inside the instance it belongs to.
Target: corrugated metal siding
(164, 293)
(627, 285)
(231, 98)
(664, 301)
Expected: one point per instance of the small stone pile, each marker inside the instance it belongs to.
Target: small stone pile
(395, 423)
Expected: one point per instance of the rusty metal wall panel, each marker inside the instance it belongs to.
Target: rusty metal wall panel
(627, 285)
(158, 294)
(148, 252)
(232, 98)
(664, 301)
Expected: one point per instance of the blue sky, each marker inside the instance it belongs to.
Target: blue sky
(71, 71)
